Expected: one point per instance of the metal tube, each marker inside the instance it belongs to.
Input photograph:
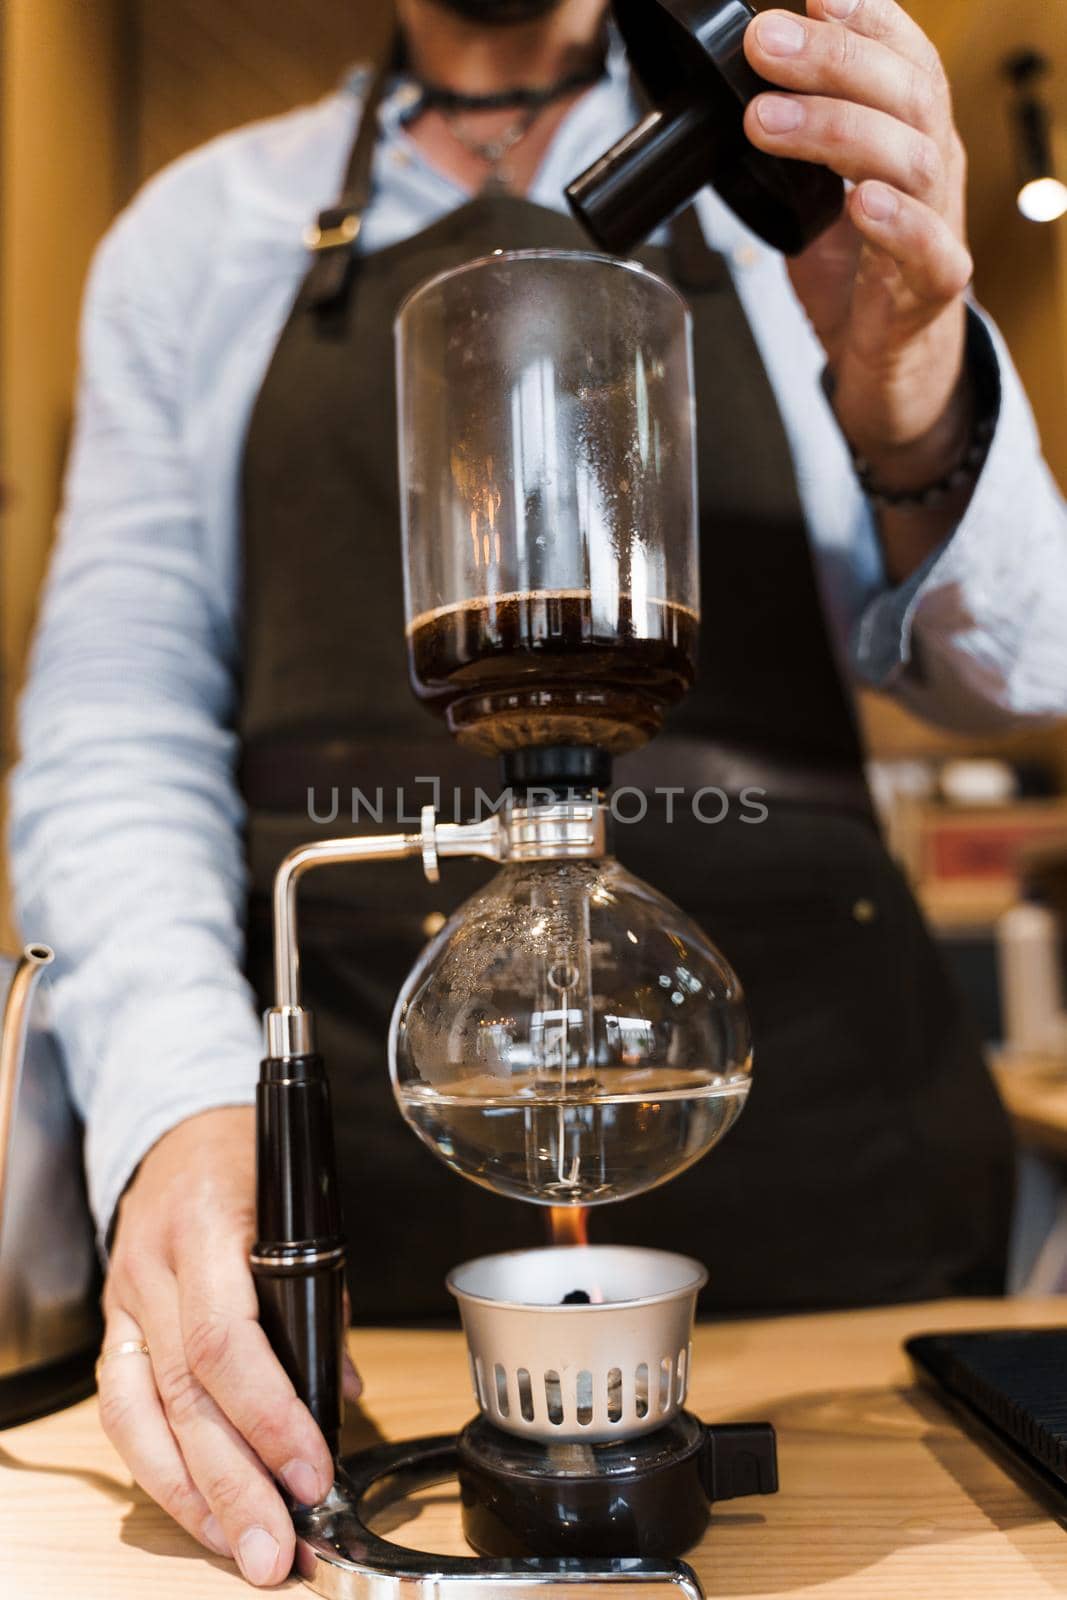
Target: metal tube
(34, 959)
(324, 853)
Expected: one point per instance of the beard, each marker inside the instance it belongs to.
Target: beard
(499, 13)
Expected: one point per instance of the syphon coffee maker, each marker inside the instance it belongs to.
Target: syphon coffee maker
(569, 1037)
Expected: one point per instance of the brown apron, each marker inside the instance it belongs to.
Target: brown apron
(872, 1162)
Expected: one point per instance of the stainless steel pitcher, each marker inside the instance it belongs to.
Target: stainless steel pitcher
(49, 1319)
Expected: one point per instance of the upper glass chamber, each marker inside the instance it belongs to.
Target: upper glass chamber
(570, 1037)
(548, 484)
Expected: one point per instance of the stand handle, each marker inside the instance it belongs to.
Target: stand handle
(299, 1256)
(740, 1458)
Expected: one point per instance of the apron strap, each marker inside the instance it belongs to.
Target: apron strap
(694, 264)
(332, 236)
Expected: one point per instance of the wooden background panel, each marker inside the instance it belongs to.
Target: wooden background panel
(61, 177)
(1020, 267)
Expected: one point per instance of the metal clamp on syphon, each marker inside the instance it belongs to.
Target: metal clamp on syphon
(569, 1037)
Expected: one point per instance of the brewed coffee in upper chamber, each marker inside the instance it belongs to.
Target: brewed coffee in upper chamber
(552, 667)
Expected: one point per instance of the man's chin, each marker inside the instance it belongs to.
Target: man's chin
(500, 13)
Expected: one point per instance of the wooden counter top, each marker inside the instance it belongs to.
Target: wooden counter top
(882, 1496)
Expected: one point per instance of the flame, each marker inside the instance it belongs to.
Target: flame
(568, 1225)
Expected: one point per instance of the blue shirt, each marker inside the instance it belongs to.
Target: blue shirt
(126, 817)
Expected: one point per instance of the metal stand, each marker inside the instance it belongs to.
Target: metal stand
(339, 1557)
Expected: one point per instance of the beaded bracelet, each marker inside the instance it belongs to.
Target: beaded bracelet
(981, 363)
(963, 475)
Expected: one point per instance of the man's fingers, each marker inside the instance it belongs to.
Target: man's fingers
(853, 141)
(816, 58)
(351, 1382)
(230, 1355)
(933, 262)
(133, 1420)
(224, 1467)
(885, 21)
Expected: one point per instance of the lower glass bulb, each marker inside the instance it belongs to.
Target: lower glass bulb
(570, 1037)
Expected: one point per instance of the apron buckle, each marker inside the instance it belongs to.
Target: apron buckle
(328, 234)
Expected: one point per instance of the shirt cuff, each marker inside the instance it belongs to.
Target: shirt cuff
(884, 643)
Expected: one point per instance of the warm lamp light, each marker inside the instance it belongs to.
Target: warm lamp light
(1042, 196)
(1043, 199)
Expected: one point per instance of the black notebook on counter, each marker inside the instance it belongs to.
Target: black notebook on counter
(1010, 1387)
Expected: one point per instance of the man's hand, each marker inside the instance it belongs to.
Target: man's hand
(209, 1420)
(884, 287)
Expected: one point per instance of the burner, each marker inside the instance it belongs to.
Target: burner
(581, 1462)
(649, 1497)
(612, 1366)
(538, 1514)
(582, 1447)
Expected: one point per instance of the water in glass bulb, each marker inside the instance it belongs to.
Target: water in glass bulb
(626, 1137)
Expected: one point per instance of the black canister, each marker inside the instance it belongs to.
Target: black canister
(688, 56)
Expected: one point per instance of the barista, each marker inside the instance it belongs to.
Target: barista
(223, 628)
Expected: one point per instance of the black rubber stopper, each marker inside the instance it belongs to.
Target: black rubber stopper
(559, 767)
(689, 58)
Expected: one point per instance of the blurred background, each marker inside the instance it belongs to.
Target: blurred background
(96, 95)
